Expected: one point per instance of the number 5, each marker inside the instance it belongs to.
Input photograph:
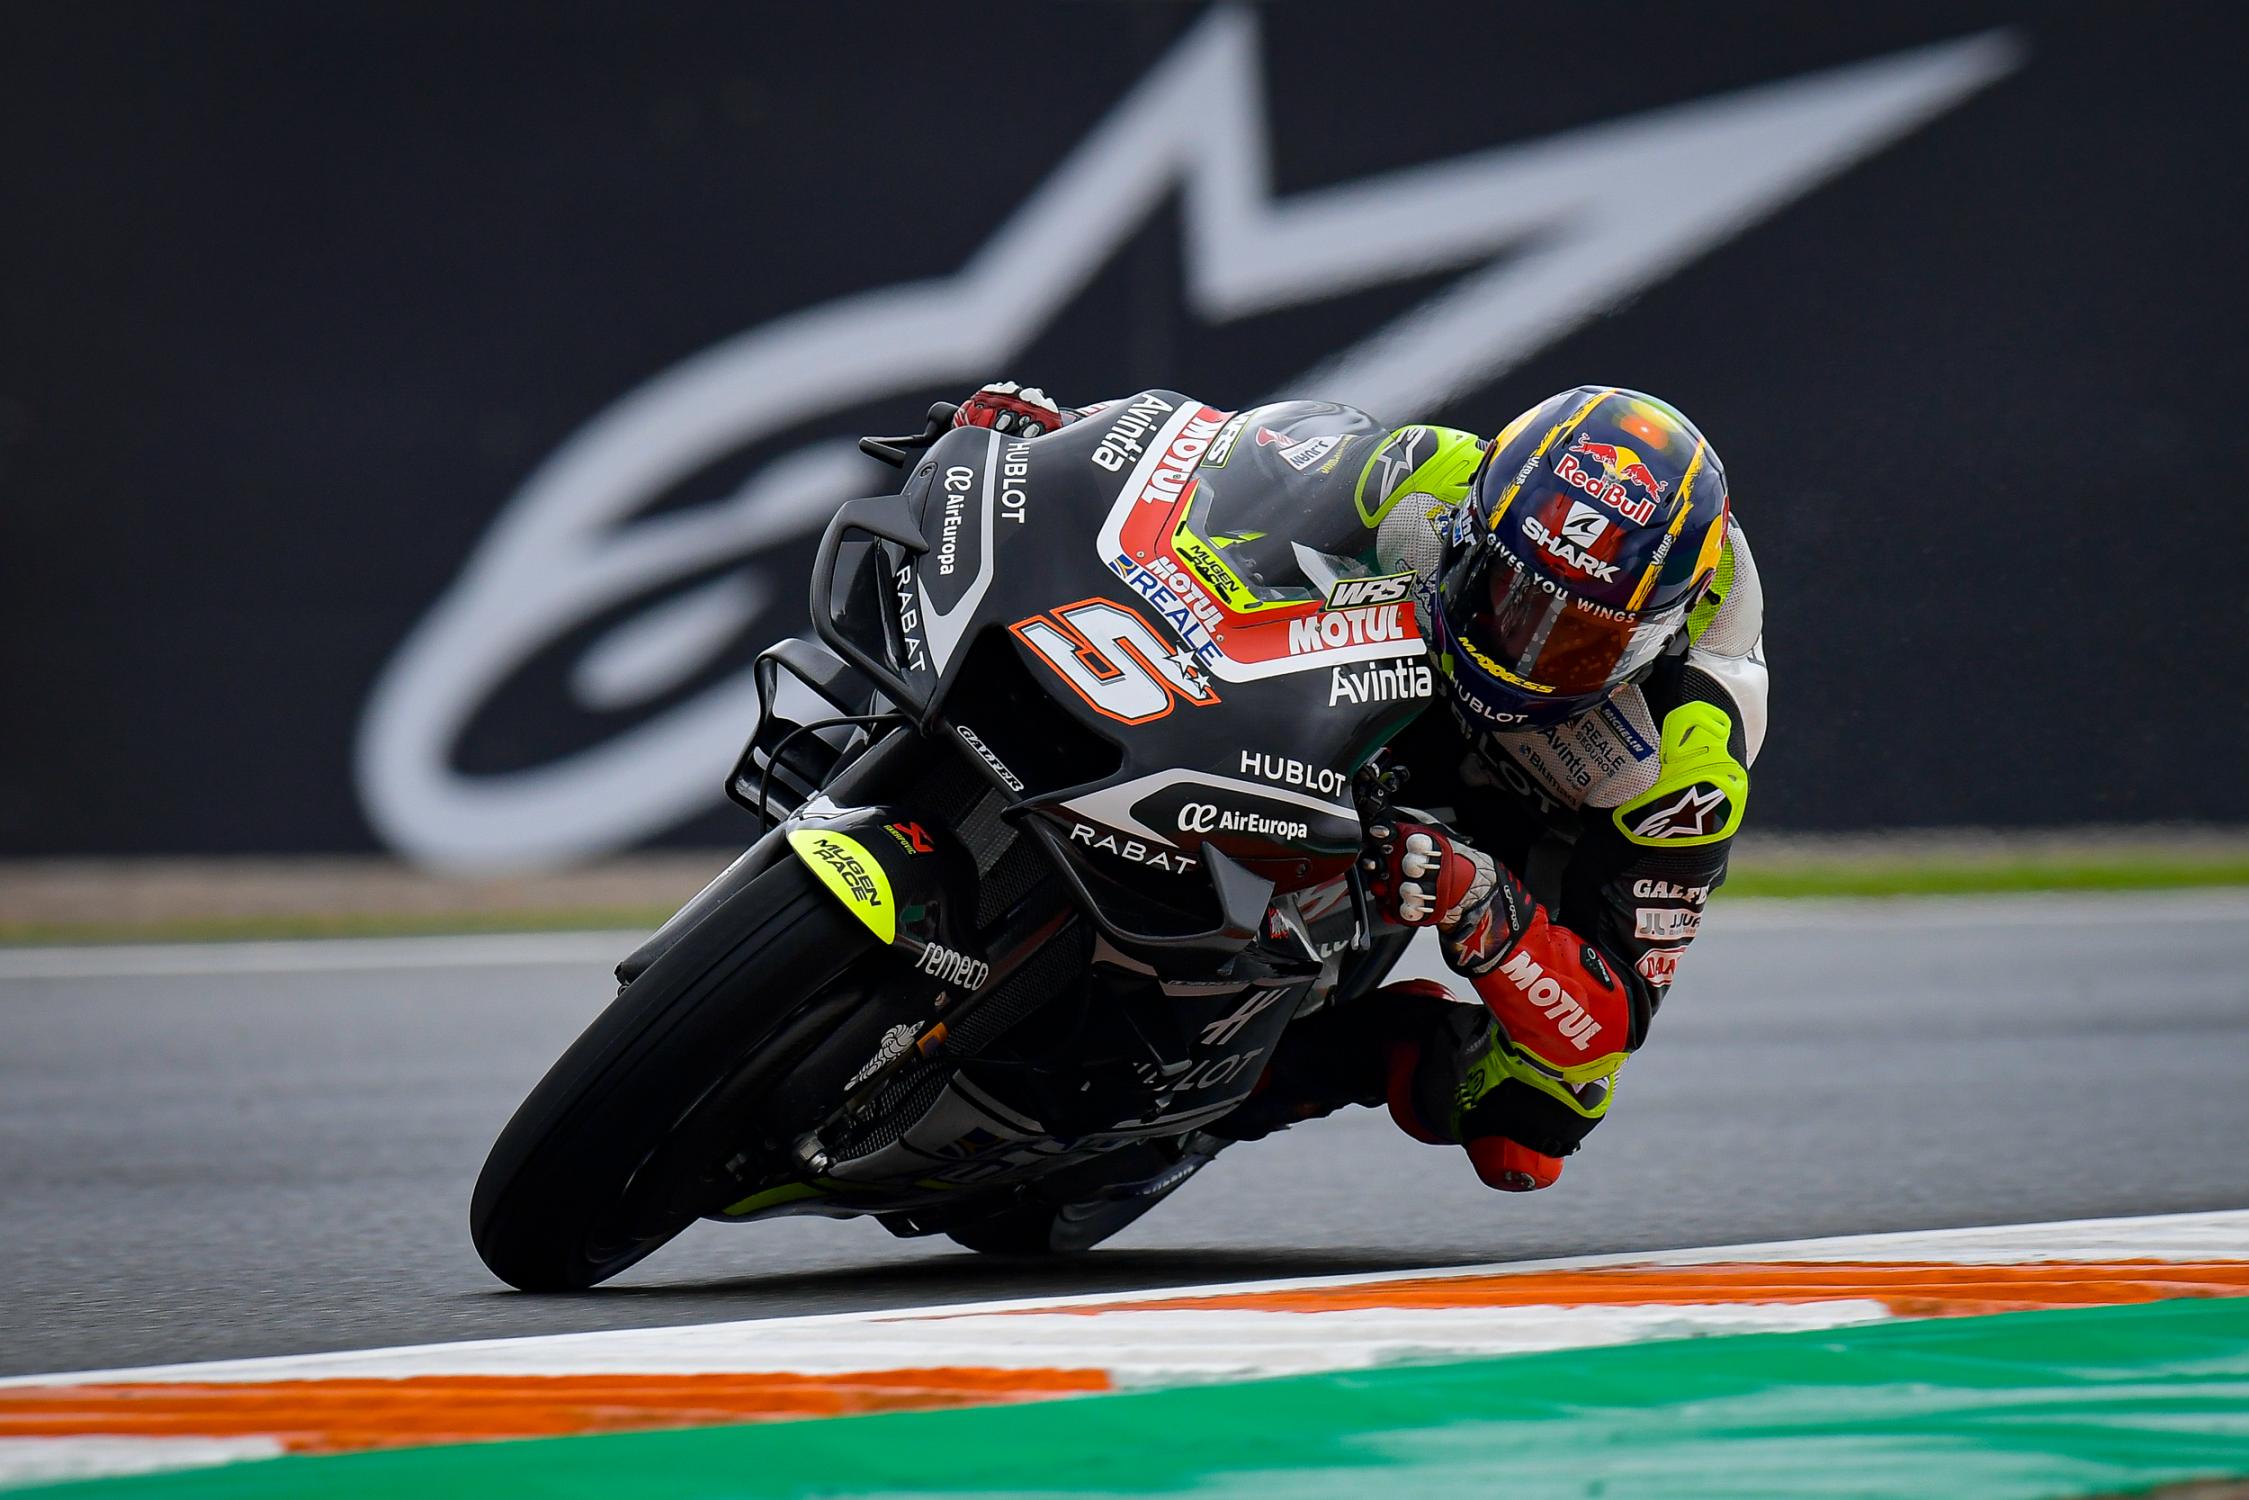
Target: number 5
(1114, 660)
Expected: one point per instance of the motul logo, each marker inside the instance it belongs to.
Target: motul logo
(1571, 1019)
(1178, 463)
(1333, 629)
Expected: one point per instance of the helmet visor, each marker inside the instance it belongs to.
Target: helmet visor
(1533, 634)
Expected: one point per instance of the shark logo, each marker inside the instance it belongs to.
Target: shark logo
(1539, 237)
(1583, 526)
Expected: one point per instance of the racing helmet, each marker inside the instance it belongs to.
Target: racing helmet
(1592, 526)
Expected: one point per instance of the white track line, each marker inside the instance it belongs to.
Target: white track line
(336, 955)
(51, 1460)
(2017, 909)
(320, 955)
(1133, 1348)
(1150, 1344)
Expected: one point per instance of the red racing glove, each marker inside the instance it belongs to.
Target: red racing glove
(1018, 410)
(1422, 877)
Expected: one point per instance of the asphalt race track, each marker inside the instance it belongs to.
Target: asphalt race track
(265, 1150)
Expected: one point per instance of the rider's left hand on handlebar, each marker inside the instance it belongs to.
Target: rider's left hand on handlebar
(1018, 410)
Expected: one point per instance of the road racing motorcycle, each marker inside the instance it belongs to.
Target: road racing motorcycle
(1063, 811)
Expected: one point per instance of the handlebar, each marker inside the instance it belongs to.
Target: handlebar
(899, 451)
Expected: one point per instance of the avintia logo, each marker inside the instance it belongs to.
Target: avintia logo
(1538, 231)
(1379, 684)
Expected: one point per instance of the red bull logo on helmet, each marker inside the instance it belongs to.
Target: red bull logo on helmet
(1621, 473)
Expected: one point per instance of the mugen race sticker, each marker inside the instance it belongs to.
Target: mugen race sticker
(846, 868)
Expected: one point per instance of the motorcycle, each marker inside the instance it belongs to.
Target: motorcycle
(1062, 821)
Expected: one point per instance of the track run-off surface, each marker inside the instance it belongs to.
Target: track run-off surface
(2074, 1359)
(244, 1150)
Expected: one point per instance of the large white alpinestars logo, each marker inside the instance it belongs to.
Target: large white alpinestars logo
(1540, 230)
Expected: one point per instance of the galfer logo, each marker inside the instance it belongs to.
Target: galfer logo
(970, 738)
(1542, 233)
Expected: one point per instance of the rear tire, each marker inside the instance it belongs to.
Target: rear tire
(561, 1204)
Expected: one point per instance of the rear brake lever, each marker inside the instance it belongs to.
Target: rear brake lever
(899, 451)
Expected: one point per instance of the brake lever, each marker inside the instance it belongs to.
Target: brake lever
(899, 451)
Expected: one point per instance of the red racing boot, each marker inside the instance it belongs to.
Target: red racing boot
(1454, 1081)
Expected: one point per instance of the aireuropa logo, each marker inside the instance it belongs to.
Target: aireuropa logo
(1538, 231)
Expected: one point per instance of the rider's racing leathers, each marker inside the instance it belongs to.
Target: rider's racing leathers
(1595, 844)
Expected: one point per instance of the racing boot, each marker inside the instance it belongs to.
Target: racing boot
(1447, 1074)
(1454, 1080)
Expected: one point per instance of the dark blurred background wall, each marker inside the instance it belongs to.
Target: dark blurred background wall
(399, 447)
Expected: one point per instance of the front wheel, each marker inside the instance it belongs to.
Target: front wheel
(580, 1184)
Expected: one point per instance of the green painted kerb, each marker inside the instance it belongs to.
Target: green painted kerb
(2026, 1405)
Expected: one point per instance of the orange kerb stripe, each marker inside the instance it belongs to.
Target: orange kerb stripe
(334, 1416)
(1907, 1289)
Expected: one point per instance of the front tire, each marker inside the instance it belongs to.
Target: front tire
(570, 1195)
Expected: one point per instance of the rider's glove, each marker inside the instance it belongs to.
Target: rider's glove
(1018, 410)
(1422, 877)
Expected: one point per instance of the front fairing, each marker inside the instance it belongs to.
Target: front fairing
(1077, 614)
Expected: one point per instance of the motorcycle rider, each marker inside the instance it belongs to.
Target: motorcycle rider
(1595, 624)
